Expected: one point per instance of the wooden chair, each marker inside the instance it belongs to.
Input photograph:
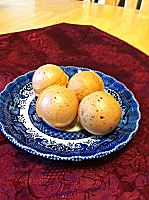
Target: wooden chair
(132, 4)
(128, 4)
(110, 2)
(144, 6)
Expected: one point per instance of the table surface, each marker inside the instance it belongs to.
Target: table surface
(129, 25)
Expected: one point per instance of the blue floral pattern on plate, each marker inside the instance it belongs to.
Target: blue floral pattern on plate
(22, 126)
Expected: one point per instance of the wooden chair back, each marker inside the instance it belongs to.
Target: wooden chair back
(128, 4)
(144, 6)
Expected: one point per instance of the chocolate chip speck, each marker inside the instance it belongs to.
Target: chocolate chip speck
(82, 112)
(101, 117)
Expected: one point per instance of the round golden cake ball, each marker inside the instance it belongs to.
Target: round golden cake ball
(57, 106)
(99, 113)
(48, 75)
(84, 83)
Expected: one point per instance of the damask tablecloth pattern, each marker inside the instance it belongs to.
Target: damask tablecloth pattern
(123, 175)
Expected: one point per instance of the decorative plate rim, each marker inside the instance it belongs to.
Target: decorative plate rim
(72, 158)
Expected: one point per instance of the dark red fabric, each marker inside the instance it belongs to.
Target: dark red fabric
(124, 175)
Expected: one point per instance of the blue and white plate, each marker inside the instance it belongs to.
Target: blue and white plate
(21, 125)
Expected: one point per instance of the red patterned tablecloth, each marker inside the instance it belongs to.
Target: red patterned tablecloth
(123, 175)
